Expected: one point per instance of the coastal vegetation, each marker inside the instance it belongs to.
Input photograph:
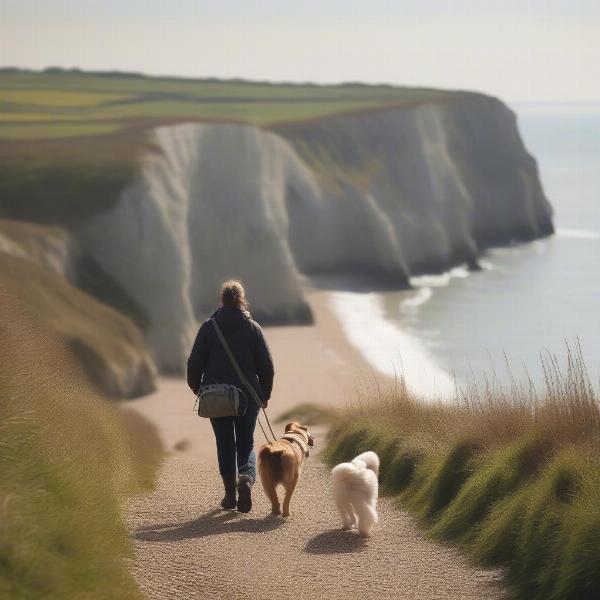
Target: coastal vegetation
(511, 476)
(68, 459)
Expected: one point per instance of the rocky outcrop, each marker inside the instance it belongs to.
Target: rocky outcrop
(379, 195)
(108, 347)
(48, 246)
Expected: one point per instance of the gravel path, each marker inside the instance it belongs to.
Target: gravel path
(186, 549)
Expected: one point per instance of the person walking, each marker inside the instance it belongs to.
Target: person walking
(209, 364)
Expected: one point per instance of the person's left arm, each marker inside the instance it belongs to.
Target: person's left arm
(264, 364)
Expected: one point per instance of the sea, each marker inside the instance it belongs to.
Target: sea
(531, 303)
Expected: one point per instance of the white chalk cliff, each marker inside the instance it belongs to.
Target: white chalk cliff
(379, 195)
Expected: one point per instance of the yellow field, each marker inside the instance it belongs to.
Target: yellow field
(25, 117)
(54, 130)
(57, 98)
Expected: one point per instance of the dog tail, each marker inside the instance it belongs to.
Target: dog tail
(343, 472)
(370, 459)
(272, 457)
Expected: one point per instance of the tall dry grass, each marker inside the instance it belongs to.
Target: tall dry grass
(566, 411)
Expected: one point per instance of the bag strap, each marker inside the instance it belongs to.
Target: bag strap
(234, 363)
(241, 375)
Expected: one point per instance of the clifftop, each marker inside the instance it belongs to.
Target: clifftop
(61, 104)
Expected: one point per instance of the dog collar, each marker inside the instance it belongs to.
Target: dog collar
(299, 439)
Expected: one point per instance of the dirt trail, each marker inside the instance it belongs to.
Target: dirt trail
(186, 549)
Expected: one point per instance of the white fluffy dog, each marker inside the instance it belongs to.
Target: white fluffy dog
(355, 490)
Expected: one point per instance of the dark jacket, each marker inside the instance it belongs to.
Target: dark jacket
(208, 363)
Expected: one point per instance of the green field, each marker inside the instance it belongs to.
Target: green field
(32, 103)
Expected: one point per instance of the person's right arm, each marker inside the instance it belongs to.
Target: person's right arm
(197, 360)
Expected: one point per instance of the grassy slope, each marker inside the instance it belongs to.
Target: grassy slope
(515, 483)
(67, 458)
(107, 344)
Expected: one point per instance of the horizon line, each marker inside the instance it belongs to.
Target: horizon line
(56, 69)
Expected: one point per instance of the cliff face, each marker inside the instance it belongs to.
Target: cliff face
(209, 204)
(440, 182)
(378, 195)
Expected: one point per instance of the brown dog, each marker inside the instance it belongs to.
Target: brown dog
(280, 462)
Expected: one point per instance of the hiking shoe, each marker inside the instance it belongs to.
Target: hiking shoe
(244, 488)
(229, 501)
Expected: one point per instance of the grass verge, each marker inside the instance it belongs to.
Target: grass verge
(513, 479)
(67, 460)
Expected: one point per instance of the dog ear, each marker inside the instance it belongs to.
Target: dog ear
(311, 440)
(291, 426)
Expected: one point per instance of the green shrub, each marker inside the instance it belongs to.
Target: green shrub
(540, 544)
(401, 469)
(346, 444)
(360, 438)
(578, 572)
(386, 447)
(494, 542)
(439, 478)
(502, 472)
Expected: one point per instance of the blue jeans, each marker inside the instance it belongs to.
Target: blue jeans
(235, 443)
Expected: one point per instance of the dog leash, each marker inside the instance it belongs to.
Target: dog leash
(269, 424)
(245, 382)
(270, 428)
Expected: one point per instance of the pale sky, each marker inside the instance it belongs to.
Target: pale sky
(520, 50)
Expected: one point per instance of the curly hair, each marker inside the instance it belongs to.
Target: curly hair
(234, 296)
